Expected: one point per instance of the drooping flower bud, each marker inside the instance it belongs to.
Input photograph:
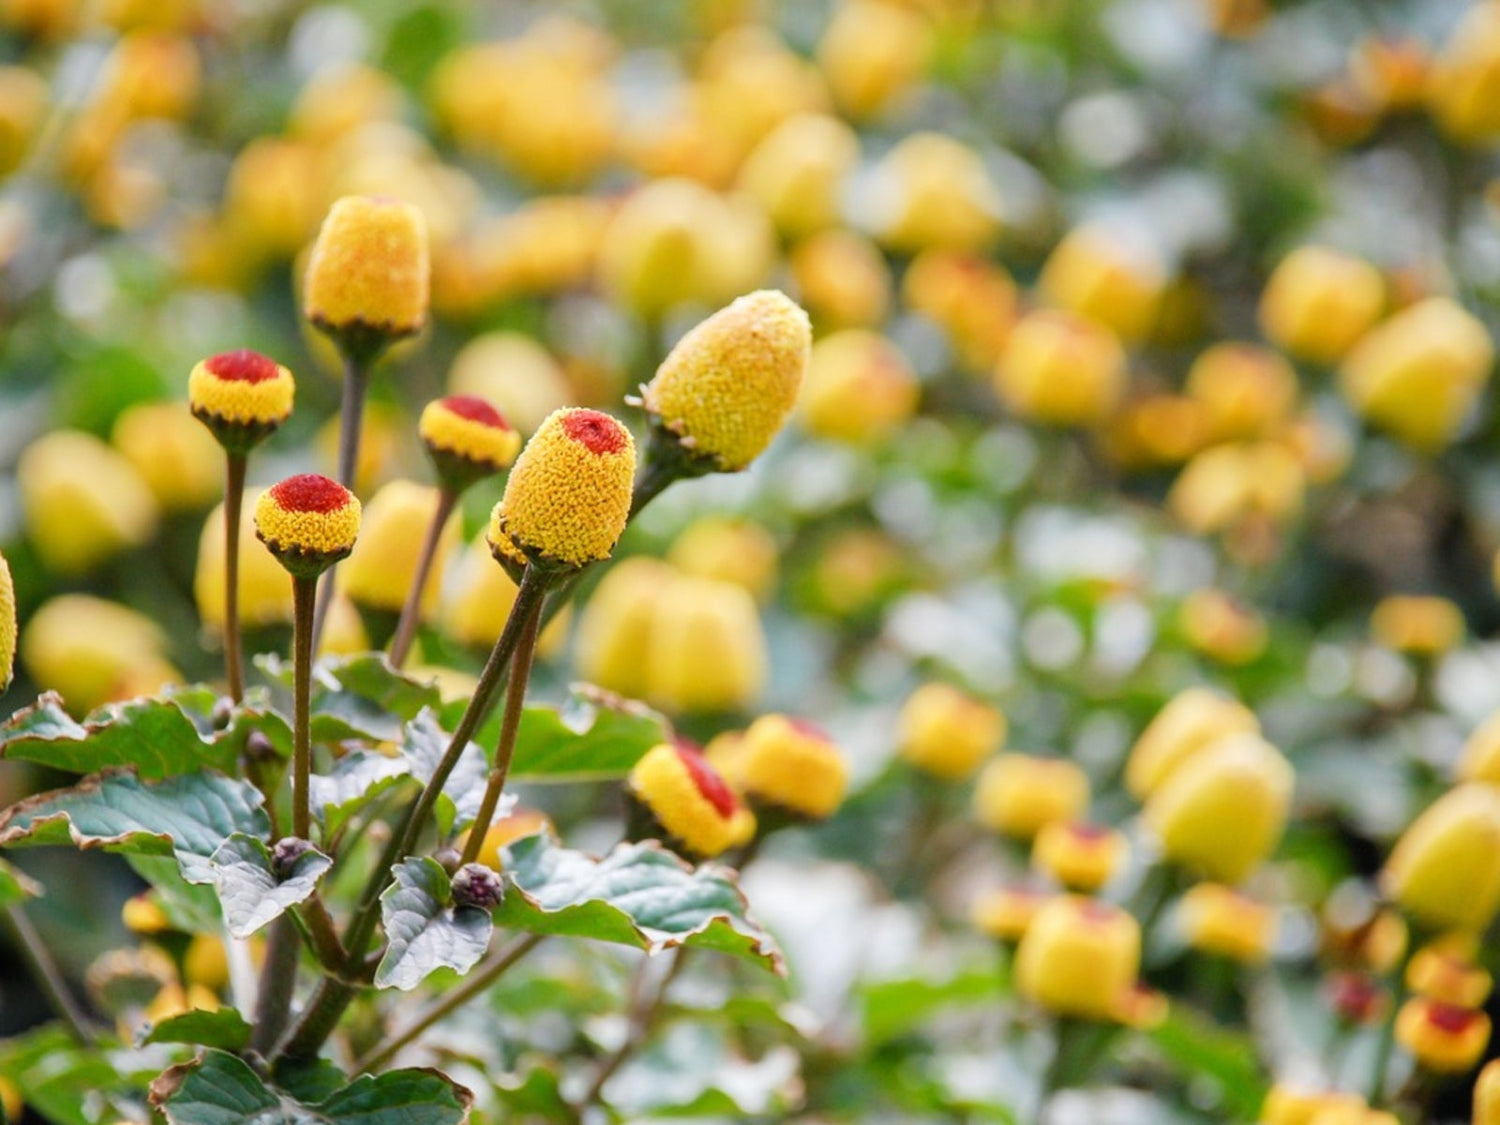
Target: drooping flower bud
(690, 801)
(241, 396)
(467, 439)
(308, 522)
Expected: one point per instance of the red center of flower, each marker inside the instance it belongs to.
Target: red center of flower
(475, 409)
(243, 366)
(811, 729)
(708, 781)
(310, 492)
(1097, 912)
(596, 432)
(1450, 1018)
(1089, 832)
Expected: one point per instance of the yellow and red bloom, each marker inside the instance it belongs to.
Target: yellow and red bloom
(1220, 920)
(1079, 958)
(789, 764)
(690, 801)
(241, 396)
(1442, 1037)
(467, 439)
(1286, 1104)
(1445, 970)
(1082, 857)
(309, 522)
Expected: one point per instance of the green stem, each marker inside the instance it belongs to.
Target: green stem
(304, 596)
(234, 493)
(278, 977)
(642, 1016)
(351, 415)
(477, 982)
(411, 612)
(510, 723)
(48, 976)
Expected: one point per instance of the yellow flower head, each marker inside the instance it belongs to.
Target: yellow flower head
(860, 388)
(947, 733)
(1418, 625)
(142, 914)
(706, 649)
(392, 528)
(205, 962)
(1079, 958)
(791, 765)
(1082, 857)
(182, 465)
(467, 439)
(93, 651)
(308, 522)
(1246, 391)
(1220, 920)
(1446, 970)
(241, 396)
(690, 801)
(369, 270)
(1286, 1104)
(727, 386)
(7, 625)
(1007, 912)
(506, 830)
(1487, 1095)
(1108, 277)
(568, 496)
(1018, 795)
(1445, 869)
(83, 501)
(1060, 369)
(1441, 1037)
(477, 598)
(1319, 302)
(728, 550)
(1190, 721)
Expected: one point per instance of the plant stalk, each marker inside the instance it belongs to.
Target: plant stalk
(48, 976)
(278, 977)
(234, 494)
(351, 416)
(411, 612)
(304, 596)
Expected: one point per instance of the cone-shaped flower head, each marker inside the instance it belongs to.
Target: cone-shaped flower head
(7, 625)
(241, 396)
(727, 386)
(568, 496)
(308, 522)
(467, 439)
(368, 275)
(1079, 958)
(1445, 868)
(690, 800)
(788, 764)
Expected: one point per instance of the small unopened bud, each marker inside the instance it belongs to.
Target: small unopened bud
(258, 747)
(476, 885)
(223, 711)
(284, 856)
(449, 858)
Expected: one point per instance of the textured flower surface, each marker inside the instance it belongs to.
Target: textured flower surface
(690, 800)
(241, 388)
(369, 268)
(308, 518)
(471, 429)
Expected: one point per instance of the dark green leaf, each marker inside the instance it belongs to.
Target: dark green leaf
(398, 1097)
(593, 736)
(190, 907)
(423, 744)
(1198, 1047)
(188, 817)
(355, 780)
(424, 930)
(248, 885)
(640, 895)
(225, 1029)
(15, 886)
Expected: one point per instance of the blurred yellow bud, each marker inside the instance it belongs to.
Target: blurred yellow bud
(1419, 626)
(1391, 71)
(1487, 1095)
(205, 962)
(872, 52)
(1445, 970)
(8, 625)
(1480, 759)
(1226, 483)
(860, 388)
(707, 650)
(1222, 627)
(23, 103)
(1441, 1037)
(338, 100)
(749, 82)
(1445, 869)
(151, 74)
(790, 765)
(158, 15)
(1019, 795)
(179, 460)
(380, 570)
(1190, 721)
(1157, 429)
(1419, 374)
(45, 19)
(1081, 856)
(614, 630)
(1078, 958)
(842, 279)
(934, 191)
(727, 549)
(971, 299)
(1286, 1104)
(1006, 914)
(1319, 302)
(506, 830)
(690, 801)
(856, 570)
(1219, 920)
(1246, 391)
(557, 126)
(1108, 277)
(142, 914)
(1061, 369)
(265, 594)
(1223, 810)
(477, 596)
(797, 173)
(82, 501)
(1463, 89)
(515, 373)
(274, 195)
(947, 733)
(91, 651)
(368, 271)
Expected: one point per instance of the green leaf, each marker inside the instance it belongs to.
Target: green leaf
(1198, 1047)
(425, 932)
(16, 886)
(249, 888)
(423, 744)
(192, 908)
(225, 1028)
(358, 697)
(220, 1089)
(355, 780)
(640, 895)
(187, 817)
(895, 1007)
(155, 736)
(594, 736)
(50, 1069)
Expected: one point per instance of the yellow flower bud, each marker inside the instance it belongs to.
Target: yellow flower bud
(972, 299)
(1463, 91)
(180, 462)
(872, 52)
(45, 19)
(1292, 1105)
(265, 594)
(1318, 303)
(728, 550)
(947, 733)
(1480, 759)
(797, 173)
(338, 100)
(8, 625)
(515, 373)
(1391, 71)
(1419, 374)
(1141, 1007)
(727, 386)
(205, 963)
(308, 522)
(860, 388)
(1227, 483)
(1078, 958)
(933, 191)
(614, 631)
(749, 82)
(856, 571)
(1006, 913)
(1445, 869)
(142, 914)
(842, 279)
(1019, 795)
(1223, 810)
(1107, 277)
(467, 438)
(383, 563)
(1352, 1112)
(1219, 920)
(1246, 391)
(174, 1000)
(1082, 857)
(1442, 1038)
(274, 195)
(1222, 628)
(789, 764)
(82, 501)
(707, 651)
(1157, 429)
(368, 272)
(241, 396)
(92, 651)
(1445, 970)
(1060, 369)
(1420, 626)
(151, 74)
(1190, 721)
(568, 496)
(690, 801)
(23, 104)
(1487, 1095)
(506, 830)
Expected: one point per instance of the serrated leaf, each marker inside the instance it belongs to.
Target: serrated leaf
(155, 736)
(220, 1089)
(423, 744)
(225, 1029)
(424, 931)
(248, 886)
(358, 697)
(187, 817)
(355, 780)
(16, 886)
(640, 895)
